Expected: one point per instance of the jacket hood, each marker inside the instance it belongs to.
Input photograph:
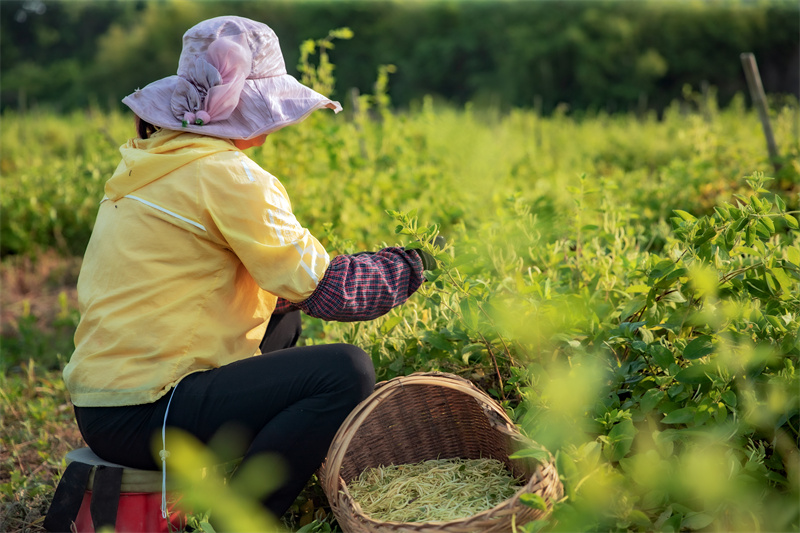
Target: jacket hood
(147, 160)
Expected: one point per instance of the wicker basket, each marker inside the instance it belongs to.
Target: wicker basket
(431, 416)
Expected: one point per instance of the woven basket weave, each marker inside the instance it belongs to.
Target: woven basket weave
(431, 416)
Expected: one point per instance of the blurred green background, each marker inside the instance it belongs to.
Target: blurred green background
(591, 55)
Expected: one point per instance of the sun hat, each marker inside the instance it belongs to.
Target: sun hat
(231, 83)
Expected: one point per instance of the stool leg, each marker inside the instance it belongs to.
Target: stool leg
(68, 497)
(105, 496)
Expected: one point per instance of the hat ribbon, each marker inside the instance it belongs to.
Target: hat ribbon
(216, 83)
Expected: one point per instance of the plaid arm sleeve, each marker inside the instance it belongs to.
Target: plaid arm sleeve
(284, 306)
(362, 286)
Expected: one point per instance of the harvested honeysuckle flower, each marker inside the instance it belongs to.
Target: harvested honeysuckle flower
(434, 490)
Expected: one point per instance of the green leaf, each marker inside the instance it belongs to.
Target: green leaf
(628, 329)
(791, 221)
(780, 203)
(650, 400)
(723, 213)
(674, 296)
(308, 528)
(662, 518)
(431, 275)
(437, 340)
(534, 526)
(768, 224)
(741, 224)
(671, 275)
(567, 471)
(706, 236)
(471, 349)
(207, 528)
(676, 389)
(733, 210)
(639, 346)
(639, 518)
(793, 255)
(745, 250)
(758, 288)
(762, 232)
(469, 311)
(699, 347)
(620, 440)
(661, 355)
(701, 416)
(634, 289)
(389, 324)
(775, 322)
(730, 237)
(531, 453)
(634, 305)
(694, 374)
(679, 416)
(695, 521)
(750, 236)
(533, 501)
(688, 217)
(783, 279)
(729, 397)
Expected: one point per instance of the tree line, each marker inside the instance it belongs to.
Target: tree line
(589, 55)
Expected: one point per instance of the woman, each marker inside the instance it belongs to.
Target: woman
(196, 263)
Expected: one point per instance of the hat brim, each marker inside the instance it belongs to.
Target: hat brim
(265, 106)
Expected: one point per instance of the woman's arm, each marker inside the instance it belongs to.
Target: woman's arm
(362, 286)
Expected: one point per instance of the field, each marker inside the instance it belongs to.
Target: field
(627, 287)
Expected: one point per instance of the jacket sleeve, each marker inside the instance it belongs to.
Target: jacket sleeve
(249, 211)
(362, 286)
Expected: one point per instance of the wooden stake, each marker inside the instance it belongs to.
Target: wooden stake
(704, 89)
(760, 103)
(354, 103)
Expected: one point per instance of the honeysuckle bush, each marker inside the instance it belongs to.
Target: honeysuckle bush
(455, 166)
(664, 383)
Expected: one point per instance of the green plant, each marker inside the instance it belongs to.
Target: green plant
(320, 77)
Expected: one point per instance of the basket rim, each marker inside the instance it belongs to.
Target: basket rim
(383, 390)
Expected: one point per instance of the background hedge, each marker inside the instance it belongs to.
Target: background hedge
(610, 56)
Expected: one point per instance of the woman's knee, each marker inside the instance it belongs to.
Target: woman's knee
(356, 370)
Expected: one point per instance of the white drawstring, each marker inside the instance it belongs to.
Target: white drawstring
(164, 454)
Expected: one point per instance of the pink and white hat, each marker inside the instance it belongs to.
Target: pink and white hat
(231, 83)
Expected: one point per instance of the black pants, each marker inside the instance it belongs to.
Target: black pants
(290, 401)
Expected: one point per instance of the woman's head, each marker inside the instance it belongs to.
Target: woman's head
(143, 128)
(231, 83)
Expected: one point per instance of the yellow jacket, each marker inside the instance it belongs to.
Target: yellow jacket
(192, 245)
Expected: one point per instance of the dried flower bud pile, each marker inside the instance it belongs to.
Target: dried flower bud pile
(434, 490)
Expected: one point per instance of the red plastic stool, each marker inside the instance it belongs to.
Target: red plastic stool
(139, 502)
